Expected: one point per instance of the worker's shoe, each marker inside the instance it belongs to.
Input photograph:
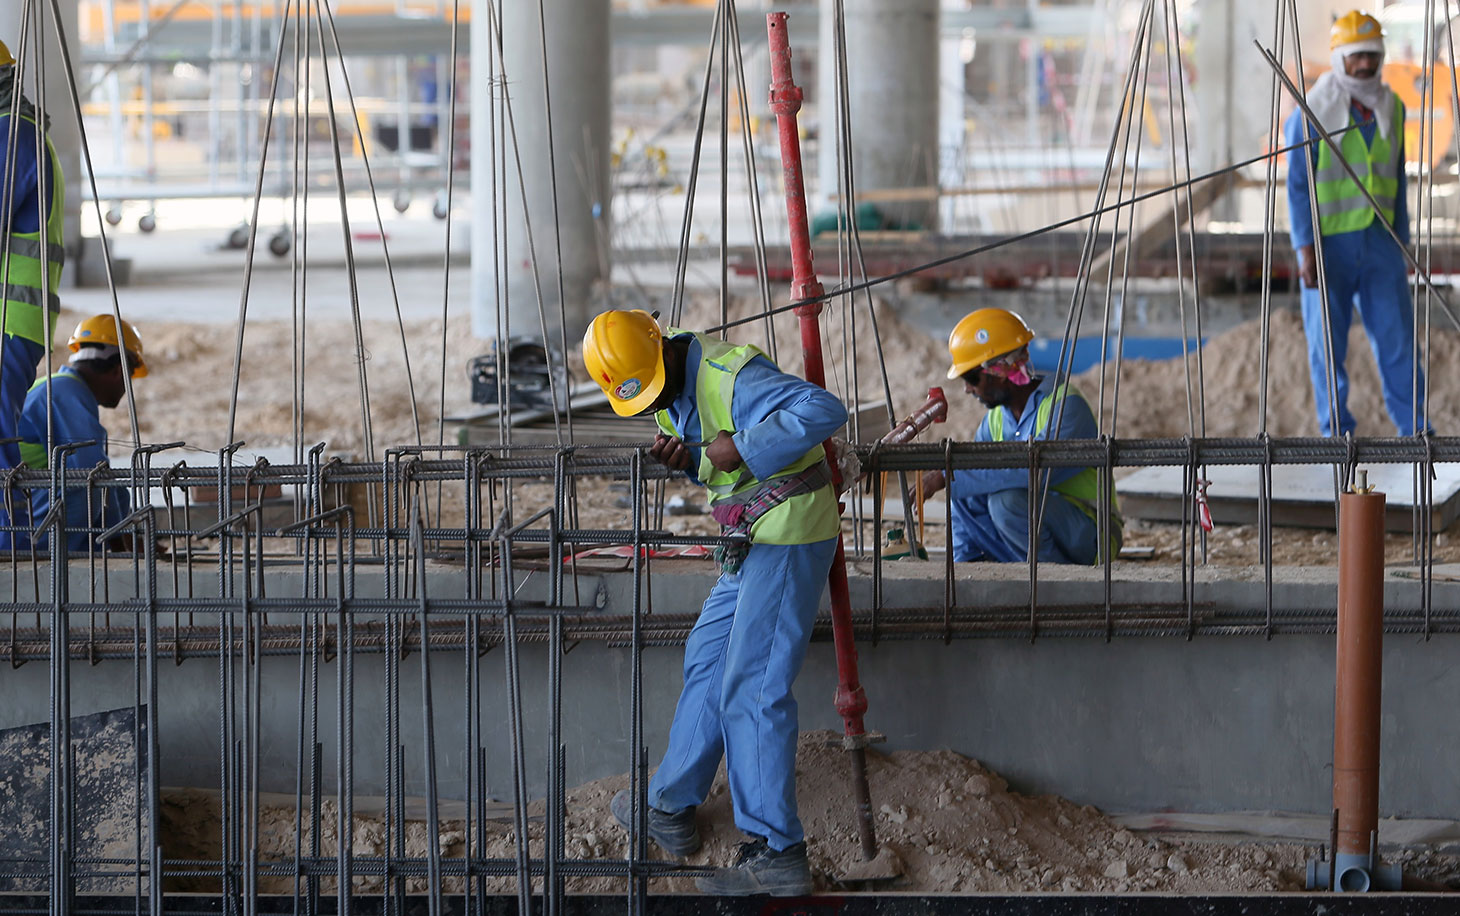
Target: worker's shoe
(676, 834)
(759, 869)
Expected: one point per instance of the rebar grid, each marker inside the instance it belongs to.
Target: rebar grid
(255, 581)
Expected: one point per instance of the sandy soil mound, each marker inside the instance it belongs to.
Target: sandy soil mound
(953, 824)
(1153, 399)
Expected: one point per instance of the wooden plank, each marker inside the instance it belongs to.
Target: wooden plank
(1154, 224)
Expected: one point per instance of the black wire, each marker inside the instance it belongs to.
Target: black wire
(831, 294)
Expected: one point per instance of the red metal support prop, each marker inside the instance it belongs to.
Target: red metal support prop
(851, 699)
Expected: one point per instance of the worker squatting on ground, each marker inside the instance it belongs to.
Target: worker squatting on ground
(1361, 262)
(31, 218)
(990, 506)
(94, 378)
(767, 479)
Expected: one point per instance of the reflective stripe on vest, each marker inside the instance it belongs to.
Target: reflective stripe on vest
(1342, 206)
(30, 293)
(1083, 489)
(720, 362)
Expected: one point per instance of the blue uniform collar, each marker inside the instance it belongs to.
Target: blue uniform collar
(682, 409)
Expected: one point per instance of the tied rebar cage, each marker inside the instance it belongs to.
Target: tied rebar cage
(464, 606)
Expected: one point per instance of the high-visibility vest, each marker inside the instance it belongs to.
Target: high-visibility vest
(801, 519)
(26, 303)
(1342, 206)
(36, 454)
(1083, 489)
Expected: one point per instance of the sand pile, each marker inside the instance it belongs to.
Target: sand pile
(955, 826)
(1153, 398)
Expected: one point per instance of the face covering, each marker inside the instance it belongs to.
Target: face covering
(1370, 92)
(1015, 372)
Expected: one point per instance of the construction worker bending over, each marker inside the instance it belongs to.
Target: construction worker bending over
(1362, 264)
(990, 506)
(32, 218)
(94, 378)
(768, 480)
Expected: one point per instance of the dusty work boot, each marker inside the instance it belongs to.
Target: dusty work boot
(760, 869)
(676, 834)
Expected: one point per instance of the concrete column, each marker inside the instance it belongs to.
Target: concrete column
(1227, 124)
(578, 53)
(952, 74)
(64, 132)
(892, 49)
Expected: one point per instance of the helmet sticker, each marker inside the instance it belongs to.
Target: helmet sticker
(627, 389)
(982, 336)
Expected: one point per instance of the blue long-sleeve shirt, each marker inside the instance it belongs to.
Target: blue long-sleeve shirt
(1076, 421)
(26, 212)
(1300, 211)
(778, 417)
(75, 417)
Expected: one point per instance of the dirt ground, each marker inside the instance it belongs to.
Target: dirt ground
(949, 823)
(188, 393)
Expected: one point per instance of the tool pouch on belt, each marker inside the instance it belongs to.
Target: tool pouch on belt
(739, 511)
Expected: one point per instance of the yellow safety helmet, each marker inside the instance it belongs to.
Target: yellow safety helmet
(6, 58)
(102, 329)
(1353, 27)
(983, 335)
(624, 352)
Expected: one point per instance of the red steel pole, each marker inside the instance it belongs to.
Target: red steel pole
(851, 698)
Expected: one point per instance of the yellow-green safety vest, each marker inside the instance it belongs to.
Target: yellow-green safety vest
(1083, 489)
(26, 303)
(1342, 206)
(803, 519)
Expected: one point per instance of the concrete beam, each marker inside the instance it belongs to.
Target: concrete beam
(1219, 723)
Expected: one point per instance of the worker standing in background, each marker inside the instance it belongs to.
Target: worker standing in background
(990, 506)
(1362, 264)
(769, 482)
(94, 378)
(32, 214)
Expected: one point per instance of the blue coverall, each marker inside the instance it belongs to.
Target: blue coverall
(21, 356)
(991, 505)
(747, 647)
(75, 417)
(1365, 268)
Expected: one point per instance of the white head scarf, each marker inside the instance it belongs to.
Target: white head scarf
(1330, 96)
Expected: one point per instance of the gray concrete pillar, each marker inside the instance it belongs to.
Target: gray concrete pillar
(64, 132)
(578, 54)
(892, 47)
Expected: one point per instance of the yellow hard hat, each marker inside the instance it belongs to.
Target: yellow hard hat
(624, 352)
(983, 335)
(1353, 27)
(102, 329)
(6, 58)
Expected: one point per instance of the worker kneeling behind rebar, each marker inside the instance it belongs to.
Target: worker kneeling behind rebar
(989, 507)
(67, 404)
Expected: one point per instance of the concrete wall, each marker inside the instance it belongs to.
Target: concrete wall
(1139, 724)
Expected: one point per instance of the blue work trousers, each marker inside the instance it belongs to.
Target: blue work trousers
(995, 527)
(740, 661)
(16, 376)
(1366, 269)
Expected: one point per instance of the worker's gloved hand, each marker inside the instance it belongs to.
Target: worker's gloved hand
(1308, 266)
(670, 451)
(722, 452)
(933, 481)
